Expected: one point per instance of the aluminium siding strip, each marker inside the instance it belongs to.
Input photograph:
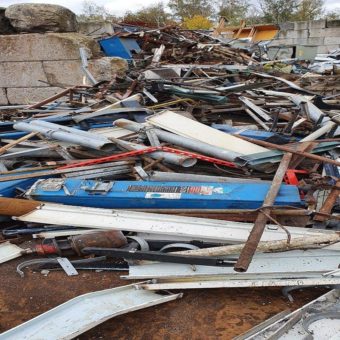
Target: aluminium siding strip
(84, 312)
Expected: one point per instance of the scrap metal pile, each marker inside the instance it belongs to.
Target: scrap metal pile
(196, 170)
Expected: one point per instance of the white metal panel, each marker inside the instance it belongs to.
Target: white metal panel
(112, 132)
(315, 281)
(186, 127)
(295, 263)
(84, 312)
(197, 228)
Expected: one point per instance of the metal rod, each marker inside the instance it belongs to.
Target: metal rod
(157, 256)
(149, 150)
(289, 149)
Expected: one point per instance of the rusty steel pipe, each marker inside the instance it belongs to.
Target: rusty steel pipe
(104, 239)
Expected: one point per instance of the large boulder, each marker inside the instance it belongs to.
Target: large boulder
(41, 18)
(5, 25)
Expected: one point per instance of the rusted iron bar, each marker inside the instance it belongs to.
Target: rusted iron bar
(56, 96)
(329, 203)
(297, 159)
(289, 149)
(255, 235)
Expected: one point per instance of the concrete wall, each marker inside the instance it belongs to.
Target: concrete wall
(96, 28)
(322, 33)
(36, 66)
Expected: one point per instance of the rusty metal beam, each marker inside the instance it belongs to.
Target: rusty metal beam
(56, 96)
(290, 149)
(329, 203)
(255, 235)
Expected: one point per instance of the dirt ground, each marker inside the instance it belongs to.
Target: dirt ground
(200, 314)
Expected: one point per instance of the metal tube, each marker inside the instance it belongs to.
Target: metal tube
(67, 135)
(181, 141)
(167, 156)
(53, 126)
(320, 132)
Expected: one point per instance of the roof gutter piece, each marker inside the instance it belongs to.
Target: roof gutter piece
(84, 312)
(66, 134)
(168, 157)
(181, 141)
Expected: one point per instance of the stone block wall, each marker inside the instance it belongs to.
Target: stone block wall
(322, 33)
(35, 66)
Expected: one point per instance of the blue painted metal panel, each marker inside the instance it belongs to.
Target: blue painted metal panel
(8, 188)
(162, 195)
(119, 47)
(260, 135)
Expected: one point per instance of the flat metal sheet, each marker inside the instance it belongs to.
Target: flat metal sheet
(189, 128)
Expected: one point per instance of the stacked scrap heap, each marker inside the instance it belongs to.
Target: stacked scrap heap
(178, 161)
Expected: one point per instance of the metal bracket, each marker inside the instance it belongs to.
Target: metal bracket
(99, 188)
(67, 266)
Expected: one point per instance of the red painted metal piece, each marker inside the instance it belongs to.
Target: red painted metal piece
(291, 178)
(146, 151)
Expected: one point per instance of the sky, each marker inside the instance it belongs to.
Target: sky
(119, 7)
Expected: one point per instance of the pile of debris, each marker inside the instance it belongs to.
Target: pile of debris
(195, 169)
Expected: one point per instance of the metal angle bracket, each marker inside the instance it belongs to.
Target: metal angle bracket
(67, 266)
